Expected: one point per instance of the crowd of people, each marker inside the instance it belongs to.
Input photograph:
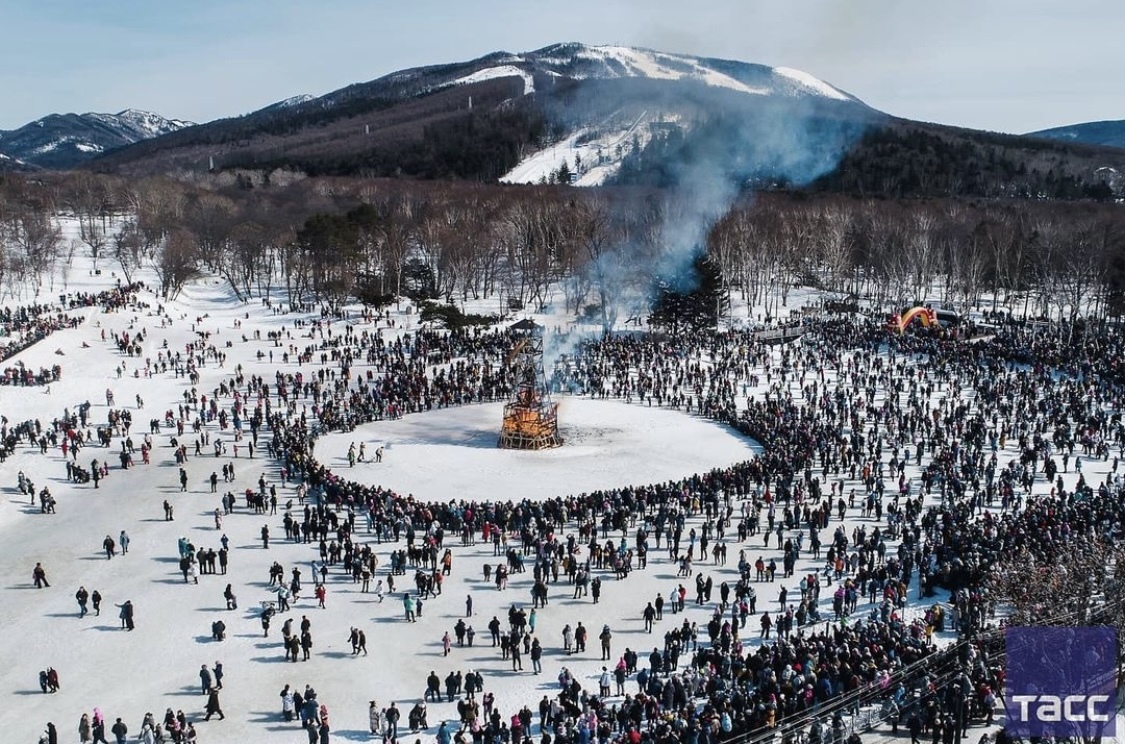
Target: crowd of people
(943, 406)
(950, 454)
(24, 376)
(27, 325)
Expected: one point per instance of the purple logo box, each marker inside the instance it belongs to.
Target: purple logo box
(1061, 682)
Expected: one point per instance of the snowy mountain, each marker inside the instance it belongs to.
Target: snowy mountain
(593, 151)
(290, 102)
(583, 115)
(575, 61)
(501, 116)
(10, 164)
(580, 61)
(66, 140)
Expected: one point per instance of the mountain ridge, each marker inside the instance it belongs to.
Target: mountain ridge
(595, 114)
(1104, 133)
(404, 122)
(66, 140)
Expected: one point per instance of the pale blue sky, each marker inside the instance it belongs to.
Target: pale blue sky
(990, 64)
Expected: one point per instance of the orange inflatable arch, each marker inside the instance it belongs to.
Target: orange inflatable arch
(925, 314)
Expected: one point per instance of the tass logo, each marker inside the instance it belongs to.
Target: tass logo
(1055, 709)
(1060, 682)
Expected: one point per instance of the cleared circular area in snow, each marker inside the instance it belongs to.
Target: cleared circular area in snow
(452, 453)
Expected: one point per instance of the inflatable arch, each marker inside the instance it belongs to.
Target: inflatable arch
(925, 314)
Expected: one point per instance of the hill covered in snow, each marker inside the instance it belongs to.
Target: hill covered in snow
(504, 116)
(585, 115)
(61, 141)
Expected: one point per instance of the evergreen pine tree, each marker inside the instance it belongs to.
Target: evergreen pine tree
(691, 302)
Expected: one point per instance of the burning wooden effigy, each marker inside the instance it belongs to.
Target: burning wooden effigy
(530, 418)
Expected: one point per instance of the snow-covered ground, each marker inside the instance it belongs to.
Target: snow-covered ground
(439, 454)
(607, 444)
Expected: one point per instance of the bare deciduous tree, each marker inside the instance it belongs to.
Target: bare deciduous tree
(37, 239)
(176, 262)
(88, 196)
(833, 248)
(128, 249)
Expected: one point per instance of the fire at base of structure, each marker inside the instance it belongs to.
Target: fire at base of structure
(530, 427)
(530, 418)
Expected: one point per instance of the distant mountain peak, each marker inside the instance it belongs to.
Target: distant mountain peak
(290, 102)
(1109, 133)
(605, 100)
(613, 60)
(67, 140)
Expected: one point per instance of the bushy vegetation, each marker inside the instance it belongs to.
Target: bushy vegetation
(428, 134)
(451, 317)
(694, 301)
(475, 146)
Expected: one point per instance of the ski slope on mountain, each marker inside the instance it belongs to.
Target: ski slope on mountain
(491, 73)
(592, 155)
(593, 151)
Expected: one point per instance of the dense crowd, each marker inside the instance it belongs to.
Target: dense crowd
(33, 332)
(29, 324)
(25, 376)
(841, 416)
(946, 404)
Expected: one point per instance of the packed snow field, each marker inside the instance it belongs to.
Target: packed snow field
(438, 455)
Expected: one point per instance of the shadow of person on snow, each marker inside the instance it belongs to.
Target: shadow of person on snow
(277, 721)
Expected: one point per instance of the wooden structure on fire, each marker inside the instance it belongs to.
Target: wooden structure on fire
(530, 418)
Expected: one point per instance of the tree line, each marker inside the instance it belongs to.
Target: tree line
(595, 252)
(911, 159)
